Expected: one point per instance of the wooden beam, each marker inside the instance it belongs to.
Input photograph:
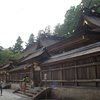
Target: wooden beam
(83, 81)
(70, 67)
(75, 56)
(76, 75)
(95, 72)
(58, 47)
(32, 75)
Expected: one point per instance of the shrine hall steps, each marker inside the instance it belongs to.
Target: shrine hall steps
(33, 94)
(6, 86)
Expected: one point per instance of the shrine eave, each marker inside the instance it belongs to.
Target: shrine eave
(89, 49)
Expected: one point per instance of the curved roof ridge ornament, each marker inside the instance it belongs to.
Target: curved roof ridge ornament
(89, 10)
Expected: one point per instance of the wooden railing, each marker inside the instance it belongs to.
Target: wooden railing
(87, 74)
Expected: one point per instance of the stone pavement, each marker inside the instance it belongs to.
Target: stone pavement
(8, 95)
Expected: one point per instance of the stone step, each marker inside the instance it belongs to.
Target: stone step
(23, 95)
(33, 92)
(28, 94)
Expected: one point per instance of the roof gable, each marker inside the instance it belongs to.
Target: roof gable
(88, 20)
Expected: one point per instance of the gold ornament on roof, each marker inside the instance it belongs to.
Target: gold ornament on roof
(68, 32)
(85, 22)
(5, 72)
(83, 37)
(83, 11)
(25, 67)
(95, 5)
(93, 10)
(82, 3)
(11, 61)
(35, 64)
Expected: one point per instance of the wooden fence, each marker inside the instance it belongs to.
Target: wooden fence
(83, 72)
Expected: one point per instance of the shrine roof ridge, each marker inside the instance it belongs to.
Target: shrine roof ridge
(20, 66)
(77, 50)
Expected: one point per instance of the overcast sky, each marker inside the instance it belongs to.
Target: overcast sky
(23, 17)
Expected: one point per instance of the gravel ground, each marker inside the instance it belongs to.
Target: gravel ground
(8, 95)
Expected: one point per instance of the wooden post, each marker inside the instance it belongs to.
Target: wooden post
(87, 72)
(40, 76)
(75, 75)
(50, 73)
(5, 75)
(95, 72)
(45, 78)
(32, 73)
(61, 75)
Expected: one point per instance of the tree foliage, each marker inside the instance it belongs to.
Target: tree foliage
(72, 17)
(70, 22)
(18, 45)
(67, 28)
(1, 48)
(31, 39)
(91, 3)
(5, 55)
(47, 30)
(11, 52)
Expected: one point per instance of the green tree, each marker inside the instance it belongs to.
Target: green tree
(70, 22)
(72, 17)
(18, 45)
(16, 55)
(31, 39)
(91, 3)
(11, 49)
(48, 29)
(1, 48)
(57, 28)
(5, 55)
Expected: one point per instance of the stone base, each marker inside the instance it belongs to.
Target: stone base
(75, 93)
(15, 86)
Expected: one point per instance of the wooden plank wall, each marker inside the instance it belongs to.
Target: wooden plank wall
(17, 76)
(83, 72)
(2, 76)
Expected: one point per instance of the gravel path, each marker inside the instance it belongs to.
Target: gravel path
(8, 95)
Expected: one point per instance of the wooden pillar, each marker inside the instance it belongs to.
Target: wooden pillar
(50, 70)
(50, 74)
(5, 77)
(95, 72)
(61, 70)
(40, 76)
(87, 72)
(32, 73)
(76, 74)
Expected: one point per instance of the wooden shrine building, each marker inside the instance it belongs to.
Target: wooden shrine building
(72, 61)
(15, 69)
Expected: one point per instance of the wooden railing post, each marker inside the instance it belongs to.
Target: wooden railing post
(32, 73)
(61, 75)
(95, 73)
(76, 76)
(75, 67)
